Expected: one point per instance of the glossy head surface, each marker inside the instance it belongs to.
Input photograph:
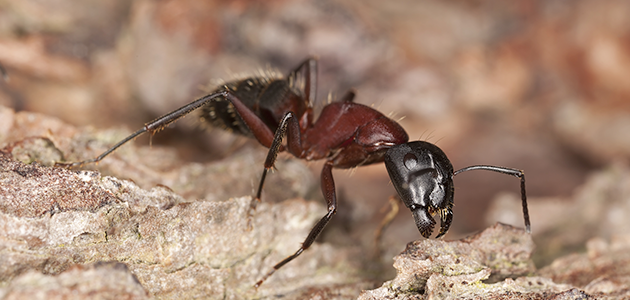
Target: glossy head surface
(423, 178)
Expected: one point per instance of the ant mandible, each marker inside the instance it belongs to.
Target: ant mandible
(346, 134)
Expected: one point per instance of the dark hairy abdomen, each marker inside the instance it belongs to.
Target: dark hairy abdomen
(265, 97)
(220, 112)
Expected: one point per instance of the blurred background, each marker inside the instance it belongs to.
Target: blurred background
(540, 86)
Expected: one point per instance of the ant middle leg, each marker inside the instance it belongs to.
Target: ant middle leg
(290, 126)
(328, 189)
(349, 96)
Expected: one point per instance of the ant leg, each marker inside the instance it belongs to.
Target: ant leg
(304, 78)
(288, 124)
(294, 140)
(393, 202)
(158, 124)
(152, 127)
(328, 189)
(507, 171)
(349, 96)
(104, 154)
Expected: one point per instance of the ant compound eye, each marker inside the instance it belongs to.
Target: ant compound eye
(410, 161)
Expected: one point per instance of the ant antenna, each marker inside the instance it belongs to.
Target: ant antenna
(507, 171)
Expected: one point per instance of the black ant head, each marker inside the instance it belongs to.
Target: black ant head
(423, 178)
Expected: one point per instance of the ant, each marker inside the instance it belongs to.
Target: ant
(346, 134)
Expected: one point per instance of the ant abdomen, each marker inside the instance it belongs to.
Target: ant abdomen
(264, 96)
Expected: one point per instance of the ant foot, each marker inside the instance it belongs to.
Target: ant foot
(68, 165)
(250, 212)
(260, 282)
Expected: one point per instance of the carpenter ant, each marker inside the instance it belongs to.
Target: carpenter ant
(346, 134)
